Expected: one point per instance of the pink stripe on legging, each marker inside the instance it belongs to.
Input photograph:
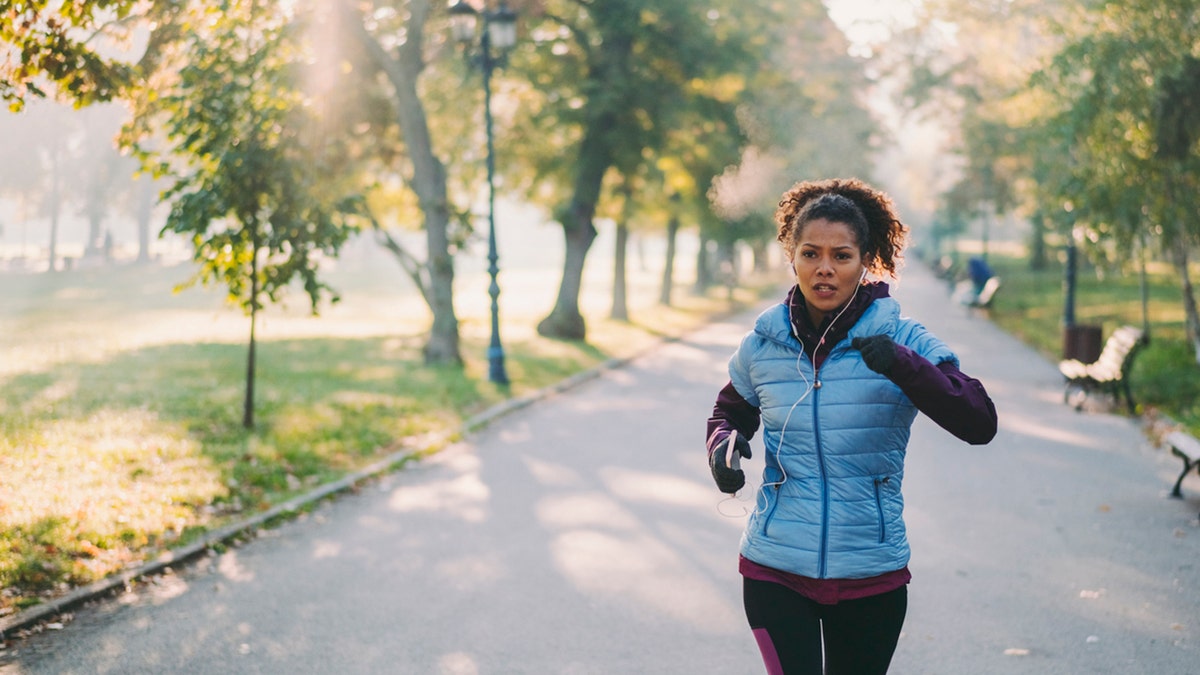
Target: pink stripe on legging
(769, 655)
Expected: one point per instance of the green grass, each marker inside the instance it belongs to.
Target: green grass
(121, 406)
(1165, 374)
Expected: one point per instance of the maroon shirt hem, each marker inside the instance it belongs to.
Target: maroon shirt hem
(826, 591)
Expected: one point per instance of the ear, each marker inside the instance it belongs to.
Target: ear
(867, 262)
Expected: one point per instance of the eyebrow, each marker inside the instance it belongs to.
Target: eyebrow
(849, 247)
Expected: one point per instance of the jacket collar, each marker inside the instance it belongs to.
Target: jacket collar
(837, 323)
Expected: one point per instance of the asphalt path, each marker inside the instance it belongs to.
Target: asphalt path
(582, 534)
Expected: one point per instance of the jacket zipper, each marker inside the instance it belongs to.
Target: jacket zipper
(824, 478)
(879, 483)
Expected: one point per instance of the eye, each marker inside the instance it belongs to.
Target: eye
(808, 254)
(843, 256)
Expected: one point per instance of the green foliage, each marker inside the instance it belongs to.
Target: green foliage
(247, 186)
(1168, 378)
(53, 47)
(669, 95)
(1093, 136)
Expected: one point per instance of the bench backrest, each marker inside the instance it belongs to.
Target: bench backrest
(1117, 349)
(988, 290)
(1184, 442)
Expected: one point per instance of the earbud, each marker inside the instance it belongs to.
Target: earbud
(864, 276)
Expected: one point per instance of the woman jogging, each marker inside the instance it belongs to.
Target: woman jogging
(835, 376)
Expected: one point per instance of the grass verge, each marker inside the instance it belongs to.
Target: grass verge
(115, 446)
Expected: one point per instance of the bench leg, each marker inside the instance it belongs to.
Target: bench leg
(1129, 397)
(1074, 394)
(1188, 465)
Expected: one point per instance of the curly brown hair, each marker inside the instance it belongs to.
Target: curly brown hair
(880, 235)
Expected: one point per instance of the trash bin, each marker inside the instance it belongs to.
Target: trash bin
(1082, 343)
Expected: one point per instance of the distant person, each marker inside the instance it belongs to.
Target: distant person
(979, 272)
(836, 376)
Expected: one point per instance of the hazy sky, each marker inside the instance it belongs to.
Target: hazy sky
(869, 21)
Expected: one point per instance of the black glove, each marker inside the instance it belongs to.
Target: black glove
(728, 480)
(878, 351)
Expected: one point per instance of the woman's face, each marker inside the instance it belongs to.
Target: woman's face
(828, 266)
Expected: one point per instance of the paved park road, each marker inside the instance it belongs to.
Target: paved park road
(583, 535)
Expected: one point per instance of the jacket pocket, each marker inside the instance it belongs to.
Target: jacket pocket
(769, 497)
(881, 483)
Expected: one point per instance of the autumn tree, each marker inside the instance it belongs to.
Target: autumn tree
(246, 185)
(78, 51)
(804, 113)
(611, 74)
(967, 65)
(1124, 93)
(399, 42)
(56, 50)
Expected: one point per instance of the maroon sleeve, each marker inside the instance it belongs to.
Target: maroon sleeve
(957, 402)
(730, 412)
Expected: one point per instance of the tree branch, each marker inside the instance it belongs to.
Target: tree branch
(581, 36)
(416, 270)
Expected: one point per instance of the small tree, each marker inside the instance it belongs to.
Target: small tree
(246, 187)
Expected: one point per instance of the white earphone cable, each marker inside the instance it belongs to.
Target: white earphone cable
(809, 386)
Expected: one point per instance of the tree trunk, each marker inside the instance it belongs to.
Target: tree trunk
(429, 175)
(601, 128)
(703, 268)
(620, 310)
(1144, 283)
(564, 321)
(248, 403)
(1179, 249)
(94, 207)
(55, 200)
(728, 267)
(145, 209)
(443, 344)
(595, 156)
(1037, 242)
(1192, 323)
(664, 296)
(761, 255)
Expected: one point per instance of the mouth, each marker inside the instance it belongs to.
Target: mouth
(824, 289)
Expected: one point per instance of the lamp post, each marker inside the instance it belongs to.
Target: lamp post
(499, 32)
(1070, 274)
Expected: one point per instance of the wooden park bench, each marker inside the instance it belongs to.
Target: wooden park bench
(1110, 372)
(966, 295)
(986, 294)
(1187, 448)
(945, 268)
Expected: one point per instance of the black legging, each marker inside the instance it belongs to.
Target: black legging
(860, 635)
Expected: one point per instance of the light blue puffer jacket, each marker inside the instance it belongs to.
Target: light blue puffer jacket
(830, 506)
